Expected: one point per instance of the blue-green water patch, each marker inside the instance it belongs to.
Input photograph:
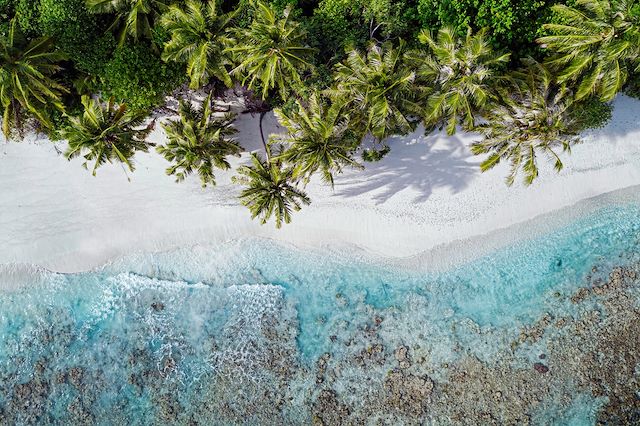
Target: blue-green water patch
(189, 315)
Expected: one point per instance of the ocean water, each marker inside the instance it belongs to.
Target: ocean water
(203, 335)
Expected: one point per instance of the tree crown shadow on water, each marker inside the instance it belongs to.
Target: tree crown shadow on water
(421, 163)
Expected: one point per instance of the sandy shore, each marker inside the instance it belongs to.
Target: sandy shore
(427, 192)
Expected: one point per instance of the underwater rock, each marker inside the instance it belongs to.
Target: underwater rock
(60, 378)
(75, 376)
(328, 410)
(402, 356)
(407, 392)
(401, 353)
(79, 413)
(580, 295)
(372, 354)
(28, 402)
(540, 367)
(157, 306)
(169, 408)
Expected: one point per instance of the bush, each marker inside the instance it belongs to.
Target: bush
(6, 13)
(591, 113)
(76, 31)
(28, 14)
(514, 24)
(138, 77)
(332, 28)
(65, 19)
(337, 24)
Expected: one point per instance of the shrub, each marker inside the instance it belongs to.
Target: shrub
(76, 31)
(337, 24)
(137, 76)
(514, 23)
(6, 13)
(28, 14)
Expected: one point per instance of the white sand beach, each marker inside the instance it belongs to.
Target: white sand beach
(427, 192)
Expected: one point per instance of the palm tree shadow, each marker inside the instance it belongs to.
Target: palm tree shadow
(420, 163)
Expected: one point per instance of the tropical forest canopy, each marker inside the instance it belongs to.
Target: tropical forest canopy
(527, 75)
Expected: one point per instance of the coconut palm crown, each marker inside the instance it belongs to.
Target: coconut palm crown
(133, 17)
(271, 52)
(597, 44)
(106, 133)
(318, 139)
(26, 70)
(379, 89)
(198, 37)
(270, 190)
(532, 118)
(461, 70)
(198, 142)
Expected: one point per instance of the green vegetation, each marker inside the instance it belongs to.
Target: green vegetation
(270, 190)
(138, 77)
(106, 133)
(26, 83)
(319, 139)
(461, 71)
(380, 89)
(533, 117)
(199, 141)
(271, 53)
(596, 44)
(527, 75)
(591, 113)
(133, 18)
(198, 37)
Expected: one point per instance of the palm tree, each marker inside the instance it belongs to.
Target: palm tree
(597, 44)
(133, 17)
(26, 82)
(318, 139)
(379, 88)
(198, 141)
(271, 52)
(105, 134)
(533, 117)
(462, 70)
(270, 190)
(198, 38)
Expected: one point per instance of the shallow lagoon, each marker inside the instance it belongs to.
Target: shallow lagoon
(264, 333)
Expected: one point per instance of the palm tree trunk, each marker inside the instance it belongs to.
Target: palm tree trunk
(264, 142)
(16, 116)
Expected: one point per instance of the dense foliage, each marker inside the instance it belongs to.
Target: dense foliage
(336, 71)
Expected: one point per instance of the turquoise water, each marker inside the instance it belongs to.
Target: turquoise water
(156, 334)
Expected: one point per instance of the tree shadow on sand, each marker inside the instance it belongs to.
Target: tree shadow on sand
(421, 163)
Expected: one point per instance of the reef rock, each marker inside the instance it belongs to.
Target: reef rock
(407, 392)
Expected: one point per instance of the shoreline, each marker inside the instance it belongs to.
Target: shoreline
(427, 199)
